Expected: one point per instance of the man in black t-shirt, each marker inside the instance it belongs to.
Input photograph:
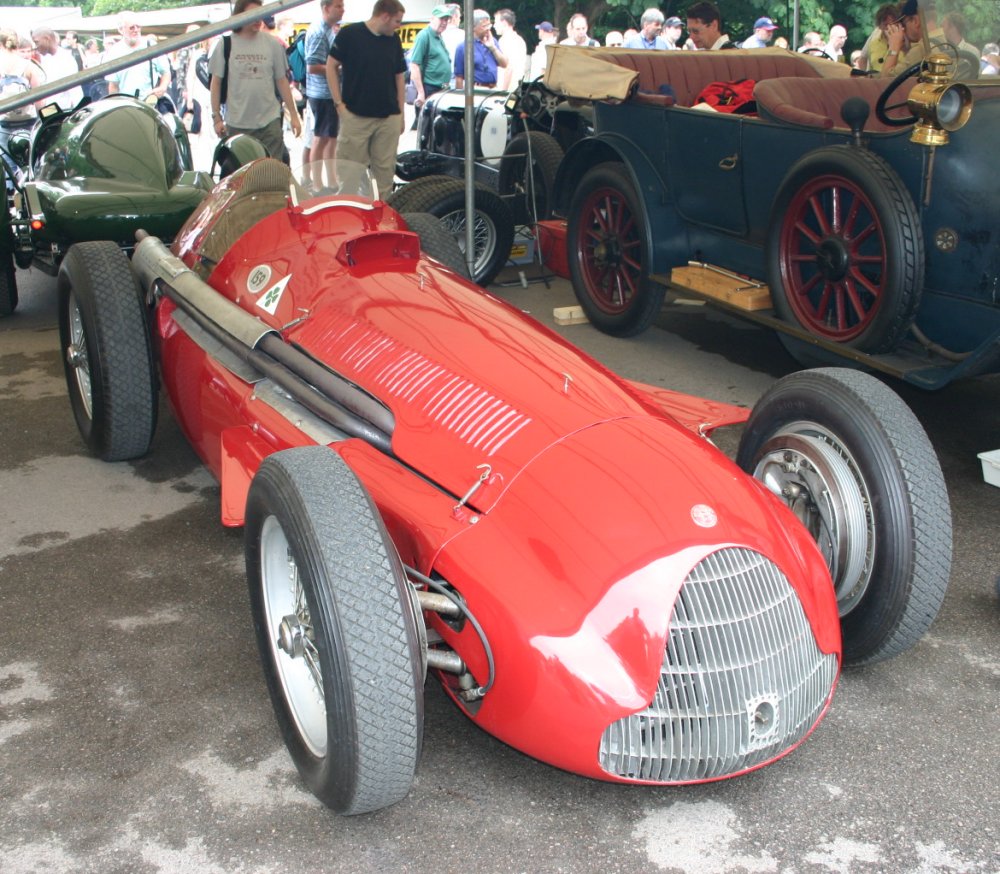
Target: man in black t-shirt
(370, 99)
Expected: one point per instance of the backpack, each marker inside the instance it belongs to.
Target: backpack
(296, 54)
(734, 97)
(201, 70)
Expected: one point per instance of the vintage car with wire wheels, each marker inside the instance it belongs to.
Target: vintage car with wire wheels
(93, 172)
(432, 483)
(856, 216)
(519, 140)
(505, 125)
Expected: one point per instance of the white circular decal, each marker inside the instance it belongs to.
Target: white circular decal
(258, 279)
(703, 516)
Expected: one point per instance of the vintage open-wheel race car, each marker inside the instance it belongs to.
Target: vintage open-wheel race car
(92, 172)
(854, 215)
(431, 483)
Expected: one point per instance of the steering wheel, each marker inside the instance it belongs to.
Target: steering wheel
(817, 51)
(882, 107)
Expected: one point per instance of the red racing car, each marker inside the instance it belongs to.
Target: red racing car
(432, 483)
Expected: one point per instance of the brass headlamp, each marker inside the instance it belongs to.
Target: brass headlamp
(940, 105)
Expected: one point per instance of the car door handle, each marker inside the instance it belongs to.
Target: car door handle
(728, 163)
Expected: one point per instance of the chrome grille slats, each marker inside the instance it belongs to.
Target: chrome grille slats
(741, 681)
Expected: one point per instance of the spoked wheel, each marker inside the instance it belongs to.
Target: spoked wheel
(8, 285)
(609, 259)
(336, 628)
(852, 462)
(530, 183)
(845, 253)
(437, 242)
(107, 354)
(444, 198)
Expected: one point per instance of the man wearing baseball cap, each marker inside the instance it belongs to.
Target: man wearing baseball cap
(671, 32)
(430, 63)
(539, 59)
(763, 31)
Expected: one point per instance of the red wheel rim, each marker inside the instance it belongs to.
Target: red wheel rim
(610, 251)
(833, 259)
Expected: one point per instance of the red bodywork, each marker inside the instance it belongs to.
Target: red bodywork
(591, 514)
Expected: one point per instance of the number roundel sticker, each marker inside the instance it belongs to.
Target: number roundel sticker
(258, 279)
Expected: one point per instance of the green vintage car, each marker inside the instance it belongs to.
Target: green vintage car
(95, 172)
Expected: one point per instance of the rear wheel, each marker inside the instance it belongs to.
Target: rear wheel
(107, 355)
(609, 258)
(532, 191)
(852, 462)
(336, 628)
(444, 198)
(845, 251)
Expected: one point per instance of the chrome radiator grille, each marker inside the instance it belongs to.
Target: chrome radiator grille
(741, 680)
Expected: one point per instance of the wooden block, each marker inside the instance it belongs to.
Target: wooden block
(733, 290)
(569, 315)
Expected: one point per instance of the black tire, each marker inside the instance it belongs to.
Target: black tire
(546, 156)
(336, 629)
(107, 353)
(854, 464)
(444, 198)
(399, 199)
(436, 242)
(8, 285)
(609, 254)
(854, 277)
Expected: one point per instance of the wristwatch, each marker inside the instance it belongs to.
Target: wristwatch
(893, 54)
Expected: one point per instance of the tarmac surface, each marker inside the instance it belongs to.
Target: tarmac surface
(136, 733)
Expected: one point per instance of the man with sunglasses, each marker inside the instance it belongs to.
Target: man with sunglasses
(147, 80)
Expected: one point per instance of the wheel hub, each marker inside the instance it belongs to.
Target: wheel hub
(292, 636)
(833, 259)
(820, 487)
(608, 252)
(74, 356)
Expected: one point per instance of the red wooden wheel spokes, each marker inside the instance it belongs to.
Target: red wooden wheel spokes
(611, 254)
(833, 259)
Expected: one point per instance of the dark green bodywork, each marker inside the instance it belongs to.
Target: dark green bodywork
(101, 172)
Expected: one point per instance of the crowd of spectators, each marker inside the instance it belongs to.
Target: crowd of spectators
(343, 78)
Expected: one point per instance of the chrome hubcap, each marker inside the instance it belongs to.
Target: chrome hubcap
(290, 631)
(76, 357)
(805, 466)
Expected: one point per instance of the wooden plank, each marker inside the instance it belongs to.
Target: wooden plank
(736, 291)
(569, 315)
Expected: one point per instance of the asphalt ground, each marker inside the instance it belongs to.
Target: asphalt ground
(136, 733)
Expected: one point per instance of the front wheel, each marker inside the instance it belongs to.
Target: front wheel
(336, 629)
(107, 353)
(609, 258)
(855, 466)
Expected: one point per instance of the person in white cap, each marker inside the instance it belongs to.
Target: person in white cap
(763, 32)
